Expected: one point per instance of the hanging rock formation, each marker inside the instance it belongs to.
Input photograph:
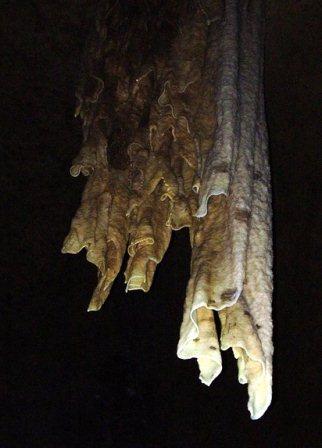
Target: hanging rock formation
(171, 101)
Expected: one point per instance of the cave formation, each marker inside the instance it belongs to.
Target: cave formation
(171, 101)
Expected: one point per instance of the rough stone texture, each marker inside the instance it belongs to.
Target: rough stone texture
(150, 114)
(96, 380)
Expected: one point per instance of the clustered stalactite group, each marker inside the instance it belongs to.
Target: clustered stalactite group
(171, 102)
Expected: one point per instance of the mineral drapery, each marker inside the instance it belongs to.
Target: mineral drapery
(171, 101)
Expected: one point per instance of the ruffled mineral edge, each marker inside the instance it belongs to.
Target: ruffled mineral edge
(216, 163)
(252, 369)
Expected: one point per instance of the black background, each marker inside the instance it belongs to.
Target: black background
(112, 379)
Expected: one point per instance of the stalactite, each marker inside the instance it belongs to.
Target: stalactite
(171, 101)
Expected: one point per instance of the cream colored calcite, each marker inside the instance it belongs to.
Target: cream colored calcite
(174, 137)
(149, 240)
(101, 227)
(237, 280)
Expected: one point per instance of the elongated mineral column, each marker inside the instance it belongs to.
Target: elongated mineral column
(174, 136)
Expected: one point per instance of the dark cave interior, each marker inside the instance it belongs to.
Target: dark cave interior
(112, 378)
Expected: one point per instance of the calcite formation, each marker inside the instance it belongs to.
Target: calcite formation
(171, 101)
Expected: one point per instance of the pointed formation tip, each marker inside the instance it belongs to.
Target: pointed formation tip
(93, 307)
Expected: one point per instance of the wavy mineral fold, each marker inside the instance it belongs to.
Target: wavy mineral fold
(174, 136)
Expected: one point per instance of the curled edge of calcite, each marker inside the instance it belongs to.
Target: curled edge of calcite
(189, 167)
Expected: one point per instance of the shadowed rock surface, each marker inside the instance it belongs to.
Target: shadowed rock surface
(86, 380)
